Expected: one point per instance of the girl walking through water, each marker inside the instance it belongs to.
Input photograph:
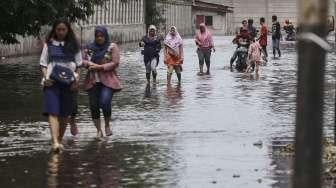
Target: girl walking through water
(152, 47)
(173, 54)
(101, 58)
(59, 63)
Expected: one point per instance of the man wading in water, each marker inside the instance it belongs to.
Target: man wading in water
(276, 35)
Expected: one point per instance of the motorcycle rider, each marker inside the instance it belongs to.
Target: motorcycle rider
(243, 39)
(290, 30)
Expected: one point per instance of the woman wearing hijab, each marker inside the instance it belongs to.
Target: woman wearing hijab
(101, 58)
(152, 47)
(173, 54)
(205, 44)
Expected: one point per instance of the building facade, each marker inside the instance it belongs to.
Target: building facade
(177, 13)
(284, 9)
(217, 15)
(126, 19)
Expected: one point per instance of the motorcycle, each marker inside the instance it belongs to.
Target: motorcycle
(290, 33)
(240, 56)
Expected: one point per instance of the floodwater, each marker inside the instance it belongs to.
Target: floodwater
(212, 131)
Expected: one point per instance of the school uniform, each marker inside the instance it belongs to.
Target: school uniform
(58, 99)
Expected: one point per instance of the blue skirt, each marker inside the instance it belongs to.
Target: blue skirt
(59, 100)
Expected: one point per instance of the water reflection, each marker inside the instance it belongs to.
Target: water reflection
(204, 87)
(174, 95)
(117, 164)
(53, 170)
(148, 93)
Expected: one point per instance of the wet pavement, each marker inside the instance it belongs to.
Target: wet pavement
(212, 131)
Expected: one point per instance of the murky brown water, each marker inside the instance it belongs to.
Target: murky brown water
(201, 134)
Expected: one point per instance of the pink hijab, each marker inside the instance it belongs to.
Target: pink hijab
(204, 39)
(173, 41)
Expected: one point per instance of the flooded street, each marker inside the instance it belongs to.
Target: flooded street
(212, 131)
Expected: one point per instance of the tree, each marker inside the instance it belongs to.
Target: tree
(27, 17)
(154, 14)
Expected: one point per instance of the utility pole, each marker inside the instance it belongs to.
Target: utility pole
(309, 114)
(334, 19)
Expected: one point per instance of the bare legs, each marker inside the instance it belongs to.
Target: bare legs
(108, 131)
(178, 70)
(55, 133)
(204, 56)
(97, 124)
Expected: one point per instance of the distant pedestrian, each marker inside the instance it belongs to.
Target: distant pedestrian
(205, 45)
(263, 36)
(173, 54)
(59, 62)
(101, 58)
(243, 27)
(290, 31)
(276, 35)
(152, 47)
(252, 30)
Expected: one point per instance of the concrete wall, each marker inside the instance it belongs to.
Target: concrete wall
(179, 14)
(284, 9)
(123, 18)
(27, 45)
(224, 2)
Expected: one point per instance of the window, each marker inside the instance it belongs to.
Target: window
(208, 20)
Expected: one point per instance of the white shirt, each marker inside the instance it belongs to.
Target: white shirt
(44, 60)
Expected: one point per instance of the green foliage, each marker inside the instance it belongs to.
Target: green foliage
(26, 17)
(154, 14)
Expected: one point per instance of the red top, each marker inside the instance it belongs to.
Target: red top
(244, 34)
(263, 36)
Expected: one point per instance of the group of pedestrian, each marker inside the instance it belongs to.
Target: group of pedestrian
(173, 51)
(62, 58)
(60, 62)
(256, 43)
